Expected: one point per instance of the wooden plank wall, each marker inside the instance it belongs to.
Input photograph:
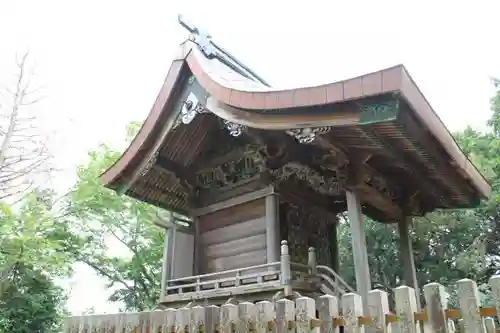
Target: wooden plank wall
(234, 237)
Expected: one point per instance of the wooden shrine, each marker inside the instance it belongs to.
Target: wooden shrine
(251, 166)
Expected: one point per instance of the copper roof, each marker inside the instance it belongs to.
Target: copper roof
(239, 97)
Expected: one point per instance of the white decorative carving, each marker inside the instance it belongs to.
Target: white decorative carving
(234, 129)
(191, 108)
(308, 134)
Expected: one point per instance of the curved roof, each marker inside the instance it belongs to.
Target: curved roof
(242, 98)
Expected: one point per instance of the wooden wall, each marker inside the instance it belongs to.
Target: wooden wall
(234, 237)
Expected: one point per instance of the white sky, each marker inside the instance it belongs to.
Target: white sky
(103, 62)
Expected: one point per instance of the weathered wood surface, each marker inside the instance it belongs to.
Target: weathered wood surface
(306, 315)
(233, 238)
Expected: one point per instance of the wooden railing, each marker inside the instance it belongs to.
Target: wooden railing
(230, 278)
(260, 275)
(324, 315)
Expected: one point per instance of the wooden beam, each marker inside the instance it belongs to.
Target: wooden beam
(443, 168)
(295, 193)
(247, 197)
(374, 198)
(356, 182)
(415, 172)
(181, 172)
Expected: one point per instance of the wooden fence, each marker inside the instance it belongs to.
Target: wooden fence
(324, 315)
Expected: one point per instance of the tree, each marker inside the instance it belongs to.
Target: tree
(31, 302)
(117, 237)
(25, 160)
(31, 255)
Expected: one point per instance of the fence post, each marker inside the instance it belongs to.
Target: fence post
(328, 310)
(406, 306)
(169, 321)
(183, 320)
(495, 292)
(144, 321)
(197, 319)
(247, 315)
(305, 313)
(228, 317)
(266, 317)
(155, 321)
(130, 322)
(285, 314)
(311, 261)
(378, 307)
(489, 324)
(469, 306)
(286, 272)
(352, 309)
(212, 318)
(437, 303)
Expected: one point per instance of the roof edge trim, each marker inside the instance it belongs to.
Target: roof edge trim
(145, 132)
(343, 117)
(412, 93)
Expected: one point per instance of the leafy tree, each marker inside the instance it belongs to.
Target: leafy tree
(31, 254)
(31, 302)
(117, 237)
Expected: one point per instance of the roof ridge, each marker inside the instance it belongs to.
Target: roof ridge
(211, 50)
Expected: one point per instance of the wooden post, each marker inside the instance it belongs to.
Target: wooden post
(311, 261)
(406, 306)
(247, 314)
(436, 305)
(305, 313)
(378, 307)
(167, 261)
(228, 316)
(197, 246)
(352, 309)
(212, 319)
(272, 228)
(328, 309)
(265, 315)
(285, 313)
(334, 247)
(406, 255)
(469, 306)
(359, 250)
(286, 272)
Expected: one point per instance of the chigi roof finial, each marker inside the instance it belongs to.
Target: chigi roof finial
(212, 50)
(199, 36)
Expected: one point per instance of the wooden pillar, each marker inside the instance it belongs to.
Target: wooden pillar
(334, 247)
(406, 257)
(197, 247)
(272, 229)
(167, 261)
(359, 249)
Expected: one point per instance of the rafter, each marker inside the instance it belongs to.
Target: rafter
(374, 189)
(415, 172)
(423, 142)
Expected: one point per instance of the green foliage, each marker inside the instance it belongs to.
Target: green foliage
(30, 302)
(31, 255)
(115, 235)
